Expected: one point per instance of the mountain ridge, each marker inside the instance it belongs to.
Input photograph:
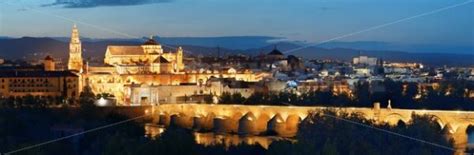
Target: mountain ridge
(14, 48)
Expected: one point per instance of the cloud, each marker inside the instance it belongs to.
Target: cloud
(99, 3)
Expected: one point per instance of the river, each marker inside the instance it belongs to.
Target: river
(210, 139)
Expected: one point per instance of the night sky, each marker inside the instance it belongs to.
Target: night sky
(299, 20)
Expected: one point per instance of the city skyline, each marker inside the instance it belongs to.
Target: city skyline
(236, 77)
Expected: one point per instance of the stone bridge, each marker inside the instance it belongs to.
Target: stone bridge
(283, 120)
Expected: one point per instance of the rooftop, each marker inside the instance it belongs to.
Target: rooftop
(275, 51)
(161, 59)
(150, 41)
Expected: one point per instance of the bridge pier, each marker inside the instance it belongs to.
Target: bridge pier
(198, 123)
(208, 123)
(262, 122)
(204, 123)
(292, 123)
(222, 125)
(181, 120)
(164, 119)
(248, 124)
(460, 139)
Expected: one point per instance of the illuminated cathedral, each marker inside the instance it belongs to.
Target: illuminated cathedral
(147, 58)
(75, 62)
(146, 74)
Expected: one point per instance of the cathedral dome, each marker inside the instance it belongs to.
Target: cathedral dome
(150, 42)
(49, 58)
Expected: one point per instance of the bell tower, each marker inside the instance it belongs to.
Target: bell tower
(179, 58)
(75, 51)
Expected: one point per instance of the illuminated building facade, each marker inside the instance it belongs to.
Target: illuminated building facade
(365, 60)
(335, 86)
(75, 51)
(146, 74)
(40, 82)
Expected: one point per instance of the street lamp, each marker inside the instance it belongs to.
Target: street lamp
(101, 102)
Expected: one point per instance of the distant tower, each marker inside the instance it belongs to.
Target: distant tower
(75, 51)
(49, 64)
(179, 58)
(389, 106)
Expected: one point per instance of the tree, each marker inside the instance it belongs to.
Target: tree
(362, 94)
(237, 98)
(208, 99)
(87, 97)
(225, 98)
(256, 98)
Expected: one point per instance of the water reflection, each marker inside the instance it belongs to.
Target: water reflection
(152, 131)
(470, 140)
(211, 139)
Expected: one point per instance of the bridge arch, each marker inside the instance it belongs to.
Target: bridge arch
(203, 122)
(164, 119)
(221, 125)
(262, 121)
(395, 118)
(450, 128)
(470, 129)
(470, 136)
(439, 121)
(276, 125)
(248, 124)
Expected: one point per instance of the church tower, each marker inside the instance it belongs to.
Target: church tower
(179, 59)
(49, 63)
(75, 51)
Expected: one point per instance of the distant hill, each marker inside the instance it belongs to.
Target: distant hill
(233, 42)
(27, 47)
(416, 48)
(346, 54)
(14, 48)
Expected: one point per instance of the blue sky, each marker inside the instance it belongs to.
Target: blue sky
(301, 20)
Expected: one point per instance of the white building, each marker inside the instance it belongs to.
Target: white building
(363, 71)
(364, 60)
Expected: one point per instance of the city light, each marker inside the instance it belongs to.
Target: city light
(101, 102)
